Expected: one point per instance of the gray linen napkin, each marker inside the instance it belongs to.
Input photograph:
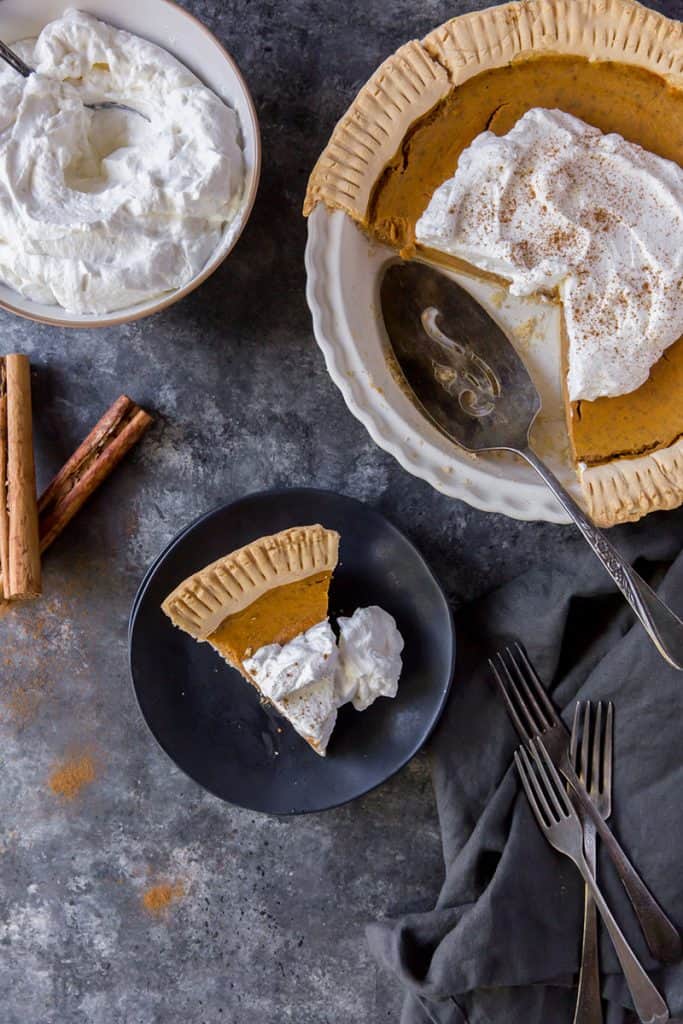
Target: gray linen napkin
(502, 945)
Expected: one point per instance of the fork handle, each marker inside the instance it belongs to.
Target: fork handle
(588, 1008)
(660, 934)
(663, 627)
(648, 1002)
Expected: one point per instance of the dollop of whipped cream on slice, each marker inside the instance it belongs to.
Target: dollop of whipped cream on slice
(104, 209)
(370, 646)
(310, 677)
(299, 679)
(556, 204)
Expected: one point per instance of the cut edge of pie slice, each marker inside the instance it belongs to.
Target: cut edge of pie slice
(410, 85)
(622, 481)
(267, 592)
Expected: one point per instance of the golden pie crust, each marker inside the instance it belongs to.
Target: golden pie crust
(613, 63)
(204, 601)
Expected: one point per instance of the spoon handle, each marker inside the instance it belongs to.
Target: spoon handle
(663, 627)
(14, 60)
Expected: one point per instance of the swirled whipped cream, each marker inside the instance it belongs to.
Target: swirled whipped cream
(556, 204)
(104, 209)
(370, 663)
(309, 678)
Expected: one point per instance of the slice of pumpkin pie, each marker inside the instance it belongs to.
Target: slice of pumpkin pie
(264, 596)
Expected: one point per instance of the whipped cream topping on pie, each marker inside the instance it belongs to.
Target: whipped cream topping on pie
(556, 205)
(309, 678)
(299, 679)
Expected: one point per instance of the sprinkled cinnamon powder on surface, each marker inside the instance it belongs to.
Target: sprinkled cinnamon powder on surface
(36, 647)
(71, 776)
(22, 700)
(159, 898)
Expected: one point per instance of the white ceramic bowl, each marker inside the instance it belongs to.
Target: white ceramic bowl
(165, 23)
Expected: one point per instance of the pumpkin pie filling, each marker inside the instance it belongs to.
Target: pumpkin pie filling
(613, 97)
(274, 618)
(625, 426)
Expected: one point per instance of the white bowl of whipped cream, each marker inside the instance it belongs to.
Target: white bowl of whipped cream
(110, 215)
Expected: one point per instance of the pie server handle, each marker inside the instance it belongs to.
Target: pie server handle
(663, 627)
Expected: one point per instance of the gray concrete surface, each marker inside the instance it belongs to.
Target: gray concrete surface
(265, 918)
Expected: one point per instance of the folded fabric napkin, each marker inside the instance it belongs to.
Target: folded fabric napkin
(502, 945)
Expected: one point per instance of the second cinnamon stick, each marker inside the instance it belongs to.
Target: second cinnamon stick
(111, 438)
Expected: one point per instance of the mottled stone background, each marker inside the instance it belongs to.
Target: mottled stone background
(129, 896)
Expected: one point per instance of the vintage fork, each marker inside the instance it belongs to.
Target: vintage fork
(534, 715)
(561, 826)
(592, 759)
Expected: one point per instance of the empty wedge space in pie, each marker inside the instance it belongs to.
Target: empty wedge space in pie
(532, 144)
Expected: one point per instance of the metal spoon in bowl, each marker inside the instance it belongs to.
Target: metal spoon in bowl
(467, 377)
(19, 65)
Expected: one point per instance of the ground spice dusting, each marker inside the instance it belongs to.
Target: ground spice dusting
(22, 700)
(69, 778)
(36, 655)
(158, 898)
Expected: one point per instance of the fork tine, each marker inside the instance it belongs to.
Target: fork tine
(586, 745)
(534, 793)
(524, 696)
(551, 777)
(574, 738)
(543, 701)
(606, 780)
(524, 733)
(546, 783)
(598, 741)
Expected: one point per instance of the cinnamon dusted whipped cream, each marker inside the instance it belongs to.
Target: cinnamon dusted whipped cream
(555, 204)
(104, 209)
(309, 678)
(299, 679)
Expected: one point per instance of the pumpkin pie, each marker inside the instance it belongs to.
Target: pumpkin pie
(269, 592)
(615, 65)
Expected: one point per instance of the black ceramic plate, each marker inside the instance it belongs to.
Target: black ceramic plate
(211, 722)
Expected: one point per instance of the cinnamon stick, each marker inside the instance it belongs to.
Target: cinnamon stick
(19, 525)
(111, 438)
(4, 517)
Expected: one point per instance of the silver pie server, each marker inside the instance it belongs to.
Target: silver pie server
(466, 376)
(15, 61)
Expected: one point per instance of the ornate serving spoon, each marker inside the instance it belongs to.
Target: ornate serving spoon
(15, 61)
(467, 377)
